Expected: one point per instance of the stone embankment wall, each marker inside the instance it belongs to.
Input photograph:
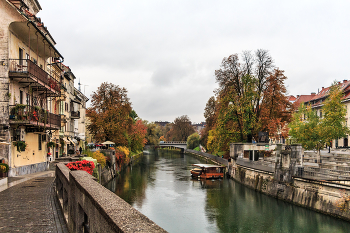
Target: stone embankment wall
(90, 207)
(283, 183)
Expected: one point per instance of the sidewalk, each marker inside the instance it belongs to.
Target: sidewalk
(28, 204)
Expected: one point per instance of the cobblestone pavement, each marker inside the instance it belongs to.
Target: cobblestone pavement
(31, 206)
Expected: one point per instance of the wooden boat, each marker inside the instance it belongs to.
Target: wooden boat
(207, 171)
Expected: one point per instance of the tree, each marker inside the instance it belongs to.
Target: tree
(312, 131)
(193, 141)
(210, 118)
(153, 133)
(137, 136)
(181, 128)
(109, 114)
(251, 97)
(306, 127)
(334, 121)
(275, 107)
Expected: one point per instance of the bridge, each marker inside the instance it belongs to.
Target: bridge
(177, 144)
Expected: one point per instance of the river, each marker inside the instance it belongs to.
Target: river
(160, 187)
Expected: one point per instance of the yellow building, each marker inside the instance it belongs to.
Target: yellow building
(30, 76)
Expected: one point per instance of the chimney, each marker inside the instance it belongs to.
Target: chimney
(344, 81)
(313, 93)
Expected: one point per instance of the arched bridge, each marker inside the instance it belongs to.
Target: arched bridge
(178, 144)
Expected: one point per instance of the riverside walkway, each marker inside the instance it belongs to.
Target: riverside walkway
(28, 204)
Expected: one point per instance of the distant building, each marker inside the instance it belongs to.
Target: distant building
(161, 123)
(199, 127)
(316, 102)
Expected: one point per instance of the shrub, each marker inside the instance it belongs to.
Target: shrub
(193, 141)
(101, 159)
(123, 149)
(4, 167)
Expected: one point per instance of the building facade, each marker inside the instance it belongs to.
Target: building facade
(316, 101)
(32, 77)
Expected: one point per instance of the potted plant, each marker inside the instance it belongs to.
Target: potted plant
(4, 168)
(51, 144)
(21, 145)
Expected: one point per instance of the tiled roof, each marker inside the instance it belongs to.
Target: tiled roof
(317, 99)
(302, 99)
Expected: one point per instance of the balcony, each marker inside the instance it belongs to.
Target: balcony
(26, 71)
(75, 114)
(33, 117)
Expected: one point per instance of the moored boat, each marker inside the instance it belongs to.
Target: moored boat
(207, 171)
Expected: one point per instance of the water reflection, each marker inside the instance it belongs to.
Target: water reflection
(160, 187)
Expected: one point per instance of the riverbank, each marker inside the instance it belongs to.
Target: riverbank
(280, 178)
(108, 173)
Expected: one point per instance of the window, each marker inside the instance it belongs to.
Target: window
(320, 113)
(39, 140)
(20, 56)
(21, 97)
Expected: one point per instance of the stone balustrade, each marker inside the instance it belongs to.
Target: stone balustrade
(90, 207)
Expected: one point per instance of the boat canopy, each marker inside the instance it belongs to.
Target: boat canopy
(203, 165)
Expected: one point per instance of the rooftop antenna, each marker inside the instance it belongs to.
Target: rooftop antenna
(79, 85)
(84, 88)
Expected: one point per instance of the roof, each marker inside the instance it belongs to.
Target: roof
(206, 165)
(318, 98)
(302, 99)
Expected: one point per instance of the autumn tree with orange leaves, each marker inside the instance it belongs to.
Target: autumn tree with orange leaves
(137, 136)
(109, 114)
(251, 97)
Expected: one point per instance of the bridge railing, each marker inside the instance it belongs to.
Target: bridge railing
(173, 142)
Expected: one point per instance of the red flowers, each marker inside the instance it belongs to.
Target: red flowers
(84, 165)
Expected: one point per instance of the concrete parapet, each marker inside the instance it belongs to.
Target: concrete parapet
(93, 208)
(210, 156)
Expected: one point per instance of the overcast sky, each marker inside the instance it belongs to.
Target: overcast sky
(165, 52)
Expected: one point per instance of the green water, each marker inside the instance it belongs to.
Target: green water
(160, 187)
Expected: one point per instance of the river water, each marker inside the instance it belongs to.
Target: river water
(160, 187)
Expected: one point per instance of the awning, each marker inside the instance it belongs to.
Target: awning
(71, 141)
(108, 143)
(65, 140)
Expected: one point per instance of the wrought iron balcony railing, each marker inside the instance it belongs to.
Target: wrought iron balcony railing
(34, 116)
(26, 66)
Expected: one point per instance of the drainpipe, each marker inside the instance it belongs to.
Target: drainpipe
(29, 38)
(37, 48)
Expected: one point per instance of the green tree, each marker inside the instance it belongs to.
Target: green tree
(334, 111)
(307, 128)
(312, 131)
(193, 141)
